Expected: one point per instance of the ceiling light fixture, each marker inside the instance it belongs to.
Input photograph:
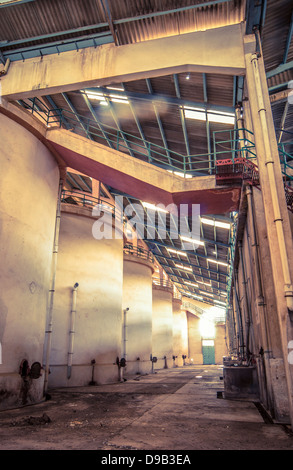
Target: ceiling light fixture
(192, 240)
(176, 252)
(215, 223)
(217, 262)
(183, 267)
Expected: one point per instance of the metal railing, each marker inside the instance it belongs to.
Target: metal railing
(83, 199)
(186, 165)
(139, 252)
(161, 282)
(230, 146)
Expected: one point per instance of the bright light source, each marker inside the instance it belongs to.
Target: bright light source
(201, 114)
(223, 118)
(182, 175)
(217, 262)
(119, 99)
(215, 223)
(154, 207)
(192, 240)
(115, 88)
(206, 293)
(190, 284)
(207, 328)
(183, 267)
(205, 283)
(219, 302)
(177, 252)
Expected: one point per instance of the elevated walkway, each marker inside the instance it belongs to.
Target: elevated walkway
(147, 171)
(140, 179)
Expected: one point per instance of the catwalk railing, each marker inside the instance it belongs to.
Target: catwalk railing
(232, 160)
(139, 252)
(83, 199)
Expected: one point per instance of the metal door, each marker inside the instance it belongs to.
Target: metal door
(208, 352)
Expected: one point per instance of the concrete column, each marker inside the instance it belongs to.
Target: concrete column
(194, 340)
(28, 193)
(220, 344)
(162, 337)
(180, 333)
(87, 335)
(138, 268)
(275, 209)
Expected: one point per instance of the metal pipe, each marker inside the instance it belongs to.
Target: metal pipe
(52, 288)
(269, 162)
(6, 67)
(72, 330)
(124, 331)
(247, 309)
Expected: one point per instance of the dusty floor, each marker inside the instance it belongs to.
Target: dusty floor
(173, 409)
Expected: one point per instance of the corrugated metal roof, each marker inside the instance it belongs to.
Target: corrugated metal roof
(275, 32)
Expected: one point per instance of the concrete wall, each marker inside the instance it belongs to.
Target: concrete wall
(97, 266)
(162, 337)
(28, 193)
(137, 296)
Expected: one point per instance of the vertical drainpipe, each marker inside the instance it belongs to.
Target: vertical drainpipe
(72, 330)
(124, 331)
(269, 162)
(52, 287)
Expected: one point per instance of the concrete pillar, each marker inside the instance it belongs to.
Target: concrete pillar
(220, 343)
(194, 340)
(275, 209)
(28, 193)
(162, 337)
(86, 336)
(138, 268)
(180, 333)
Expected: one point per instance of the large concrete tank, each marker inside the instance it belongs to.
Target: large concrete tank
(162, 342)
(137, 310)
(180, 333)
(86, 338)
(28, 192)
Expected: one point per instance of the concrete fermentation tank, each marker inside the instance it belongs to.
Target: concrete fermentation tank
(137, 309)
(180, 333)
(162, 338)
(86, 339)
(28, 191)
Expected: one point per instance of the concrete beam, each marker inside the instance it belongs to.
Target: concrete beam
(140, 179)
(217, 50)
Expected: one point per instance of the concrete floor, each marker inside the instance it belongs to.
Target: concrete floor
(173, 409)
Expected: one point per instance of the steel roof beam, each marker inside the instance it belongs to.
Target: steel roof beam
(187, 264)
(255, 15)
(182, 115)
(195, 275)
(73, 110)
(288, 41)
(108, 15)
(171, 100)
(168, 12)
(14, 3)
(282, 68)
(92, 111)
(150, 89)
